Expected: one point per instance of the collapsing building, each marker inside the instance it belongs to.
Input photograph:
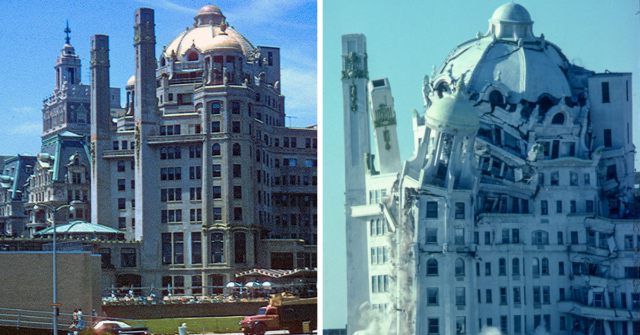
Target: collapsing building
(516, 209)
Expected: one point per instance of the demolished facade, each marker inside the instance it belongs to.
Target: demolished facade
(516, 209)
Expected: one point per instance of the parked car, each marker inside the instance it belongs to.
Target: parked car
(287, 315)
(118, 327)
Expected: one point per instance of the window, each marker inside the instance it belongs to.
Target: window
(545, 266)
(459, 210)
(517, 324)
(515, 266)
(487, 297)
(602, 240)
(535, 267)
(558, 119)
(293, 142)
(216, 108)
(591, 238)
(237, 213)
(195, 215)
(487, 238)
(574, 237)
(122, 223)
(459, 236)
(607, 138)
(635, 300)
(237, 150)
(121, 185)
(558, 206)
(171, 216)
(432, 296)
(561, 268)
(432, 209)
(539, 237)
(503, 324)
(502, 267)
(461, 325)
(128, 257)
(240, 247)
(555, 178)
(122, 204)
(589, 206)
(612, 172)
(544, 210)
(487, 268)
(432, 235)
(459, 266)
(525, 206)
(515, 236)
(217, 170)
(237, 171)
(217, 192)
(536, 295)
(460, 296)
(605, 92)
(505, 236)
(433, 327)
(217, 247)
(628, 242)
(516, 295)
(503, 296)
(237, 192)
(215, 127)
(235, 107)
(217, 213)
(541, 179)
(432, 267)
(121, 166)
(170, 194)
(563, 323)
(572, 206)
(561, 292)
(215, 149)
(235, 126)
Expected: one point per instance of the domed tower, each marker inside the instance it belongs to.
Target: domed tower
(511, 21)
(68, 64)
(454, 122)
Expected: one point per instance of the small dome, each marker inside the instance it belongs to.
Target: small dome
(222, 41)
(512, 12)
(131, 82)
(453, 113)
(209, 9)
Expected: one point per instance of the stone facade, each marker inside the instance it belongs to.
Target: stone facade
(199, 166)
(516, 209)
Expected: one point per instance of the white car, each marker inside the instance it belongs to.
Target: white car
(119, 327)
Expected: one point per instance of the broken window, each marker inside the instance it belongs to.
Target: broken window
(555, 178)
(607, 138)
(628, 242)
(496, 97)
(631, 272)
(591, 238)
(612, 172)
(459, 210)
(547, 148)
(614, 207)
(602, 243)
(573, 178)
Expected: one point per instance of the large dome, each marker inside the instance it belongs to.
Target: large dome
(210, 33)
(453, 113)
(526, 68)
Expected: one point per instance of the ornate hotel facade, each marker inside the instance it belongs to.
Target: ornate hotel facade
(198, 169)
(516, 209)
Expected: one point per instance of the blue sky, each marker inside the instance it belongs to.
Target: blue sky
(406, 38)
(31, 35)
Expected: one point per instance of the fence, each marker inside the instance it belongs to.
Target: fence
(20, 318)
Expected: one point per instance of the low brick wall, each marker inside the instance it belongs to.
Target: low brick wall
(162, 311)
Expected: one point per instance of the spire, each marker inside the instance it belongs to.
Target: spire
(67, 31)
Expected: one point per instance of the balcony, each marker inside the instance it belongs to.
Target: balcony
(366, 210)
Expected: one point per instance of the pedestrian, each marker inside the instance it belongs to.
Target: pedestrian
(95, 317)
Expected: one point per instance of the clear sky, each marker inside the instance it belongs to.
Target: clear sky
(406, 38)
(31, 36)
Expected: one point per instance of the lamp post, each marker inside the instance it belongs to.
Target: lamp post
(55, 210)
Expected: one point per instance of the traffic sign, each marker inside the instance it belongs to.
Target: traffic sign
(55, 304)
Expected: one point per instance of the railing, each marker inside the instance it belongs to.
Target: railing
(21, 318)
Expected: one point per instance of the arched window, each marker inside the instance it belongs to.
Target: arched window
(432, 267)
(442, 87)
(539, 237)
(558, 119)
(236, 149)
(192, 56)
(215, 149)
(496, 97)
(459, 267)
(545, 266)
(535, 267)
(163, 62)
(502, 267)
(515, 266)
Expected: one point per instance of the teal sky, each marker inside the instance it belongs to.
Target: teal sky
(31, 36)
(405, 39)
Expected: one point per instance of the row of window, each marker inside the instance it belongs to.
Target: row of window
(125, 145)
(283, 220)
(294, 200)
(379, 255)
(537, 267)
(266, 217)
(173, 248)
(380, 284)
(555, 179)
(127, 257)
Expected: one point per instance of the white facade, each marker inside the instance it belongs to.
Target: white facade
(516, 209)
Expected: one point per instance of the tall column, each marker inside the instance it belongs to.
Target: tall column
(146, 125)
(356, 142)
(102, 208)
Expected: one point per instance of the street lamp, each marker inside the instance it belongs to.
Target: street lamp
(55, 280)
